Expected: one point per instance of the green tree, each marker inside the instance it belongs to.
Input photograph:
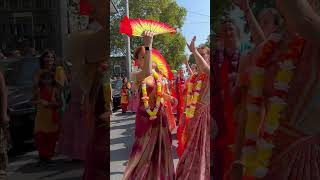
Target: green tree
(168, 11)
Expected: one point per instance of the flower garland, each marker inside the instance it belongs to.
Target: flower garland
(152, 113)
(259, 143)
(193, 94)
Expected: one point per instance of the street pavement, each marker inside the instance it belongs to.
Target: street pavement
(24, 167)
(121, 140)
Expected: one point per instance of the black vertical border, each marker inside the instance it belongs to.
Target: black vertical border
(108, 71)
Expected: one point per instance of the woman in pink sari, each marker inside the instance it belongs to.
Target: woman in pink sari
(295, 146)
(151, 156)
(195, 160)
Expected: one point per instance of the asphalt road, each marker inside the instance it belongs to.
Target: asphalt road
(122, 139)
(24, 167)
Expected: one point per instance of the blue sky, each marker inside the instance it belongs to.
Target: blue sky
(197, 22)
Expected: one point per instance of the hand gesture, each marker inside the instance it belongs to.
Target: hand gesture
(148, 38)
(243, 4)
(192, 46)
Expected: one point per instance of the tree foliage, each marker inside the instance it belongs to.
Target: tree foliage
(166, 11)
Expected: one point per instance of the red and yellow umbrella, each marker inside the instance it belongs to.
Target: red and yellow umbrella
(135, 27)
(161, 63)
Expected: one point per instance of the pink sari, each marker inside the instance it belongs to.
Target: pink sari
(151, 156)
(296, 155)
(133, 99)
(195, 160)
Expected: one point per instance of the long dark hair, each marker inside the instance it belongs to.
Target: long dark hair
(42, 61)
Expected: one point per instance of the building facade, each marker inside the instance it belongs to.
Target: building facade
(42, 24)
(34, 23)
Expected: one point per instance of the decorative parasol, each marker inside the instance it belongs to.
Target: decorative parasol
(162, 64)
(135, 27)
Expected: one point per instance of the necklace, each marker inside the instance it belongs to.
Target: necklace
(193, 94)
(259, 143)
(152, 113)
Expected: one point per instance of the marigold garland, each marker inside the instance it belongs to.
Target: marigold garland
(259, 143)
(194, 86)
(152, 113)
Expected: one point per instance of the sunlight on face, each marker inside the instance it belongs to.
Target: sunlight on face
(204, 53)
(229, 31)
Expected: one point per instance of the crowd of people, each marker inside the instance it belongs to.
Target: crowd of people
(264, 103)
(75, 123)
(155, 98)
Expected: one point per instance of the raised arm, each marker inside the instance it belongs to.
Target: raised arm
(252, 21)
(186, 62)
(240, 118)
(301, 18)
(147, 66)
(200, 61)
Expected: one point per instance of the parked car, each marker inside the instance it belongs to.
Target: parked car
(19, 79)
(116, 93)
